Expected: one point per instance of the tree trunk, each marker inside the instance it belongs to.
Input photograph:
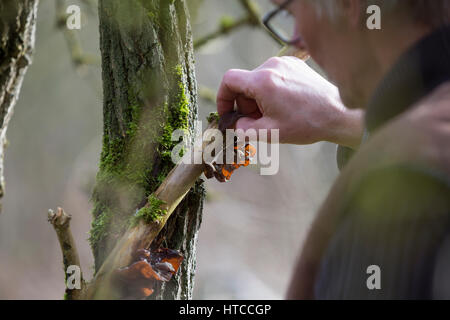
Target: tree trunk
(149, 91)
(17, 29)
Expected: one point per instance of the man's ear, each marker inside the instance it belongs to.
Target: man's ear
(353, 11)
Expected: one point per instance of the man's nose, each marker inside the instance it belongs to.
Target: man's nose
(300, 41)
(301, 45)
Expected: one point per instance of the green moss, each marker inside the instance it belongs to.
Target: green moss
(111, 152)
(152, 16)
(180, 112)
(178, 117)
(99, 225)
(133, 125)
(213, 116)
(126, 173)
(151, 212)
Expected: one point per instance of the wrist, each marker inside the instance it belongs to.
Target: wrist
(352, 129)
(346, 127)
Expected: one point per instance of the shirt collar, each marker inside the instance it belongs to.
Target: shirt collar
(418, 72)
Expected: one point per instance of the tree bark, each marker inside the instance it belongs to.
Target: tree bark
(17, 29)
(149, 91)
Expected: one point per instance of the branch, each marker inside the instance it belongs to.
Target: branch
(228, 24)
(252, 11)
(61, 223)
(141, 235)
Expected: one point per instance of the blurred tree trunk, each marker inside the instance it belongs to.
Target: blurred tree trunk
(17, 28)
(149, 91)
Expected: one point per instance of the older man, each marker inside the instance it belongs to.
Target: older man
(384, 230)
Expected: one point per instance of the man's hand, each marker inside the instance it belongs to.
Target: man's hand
(286, 94)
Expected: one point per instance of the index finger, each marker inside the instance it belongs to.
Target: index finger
(234, 83)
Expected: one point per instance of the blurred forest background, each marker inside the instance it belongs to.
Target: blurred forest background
(252, 227)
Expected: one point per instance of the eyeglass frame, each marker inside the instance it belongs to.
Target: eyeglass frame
(270, 15)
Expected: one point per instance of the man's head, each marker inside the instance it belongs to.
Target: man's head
(336, 35)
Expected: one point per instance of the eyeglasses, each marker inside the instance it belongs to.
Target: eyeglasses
(282, 24)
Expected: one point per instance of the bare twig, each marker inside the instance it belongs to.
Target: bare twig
(224, 29)
(228, 25)
(61, 223)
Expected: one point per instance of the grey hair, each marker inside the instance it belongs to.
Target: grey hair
(434, 13)
(330, 7)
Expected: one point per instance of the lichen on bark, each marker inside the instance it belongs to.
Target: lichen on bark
(149, 91)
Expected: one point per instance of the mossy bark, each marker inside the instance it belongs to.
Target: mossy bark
(149, 91)
(17, 29)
